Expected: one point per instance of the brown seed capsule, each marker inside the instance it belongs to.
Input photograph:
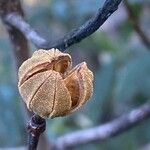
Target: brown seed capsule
(50, 88)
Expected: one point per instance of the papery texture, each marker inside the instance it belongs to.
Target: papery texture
(50, 88)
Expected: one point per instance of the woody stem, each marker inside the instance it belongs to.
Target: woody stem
(35, 127)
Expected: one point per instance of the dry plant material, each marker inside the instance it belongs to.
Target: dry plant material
(49, 86)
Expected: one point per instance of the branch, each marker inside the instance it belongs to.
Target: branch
(75, 36)
(136, 26)
(105, 131)
(36, 126)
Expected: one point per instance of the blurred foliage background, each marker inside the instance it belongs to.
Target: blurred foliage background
(115, 53)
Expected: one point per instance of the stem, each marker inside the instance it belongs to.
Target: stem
(35, 127)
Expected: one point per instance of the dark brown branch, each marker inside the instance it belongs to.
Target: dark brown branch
(35, 127)
(72, 37)
(105, 131)
(136, 25)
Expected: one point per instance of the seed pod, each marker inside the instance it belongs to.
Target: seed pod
(50, 88)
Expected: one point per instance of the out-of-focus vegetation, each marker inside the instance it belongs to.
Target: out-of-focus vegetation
(115, 53)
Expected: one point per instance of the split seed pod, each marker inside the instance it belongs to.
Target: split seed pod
(50, 88)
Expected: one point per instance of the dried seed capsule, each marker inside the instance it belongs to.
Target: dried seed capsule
(79, 84)
(50, 88)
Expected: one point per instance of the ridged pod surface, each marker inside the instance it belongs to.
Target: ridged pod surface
(50, 88)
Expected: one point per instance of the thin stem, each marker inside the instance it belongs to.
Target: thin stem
(35, 127)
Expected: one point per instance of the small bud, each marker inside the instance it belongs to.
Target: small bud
(50, 88)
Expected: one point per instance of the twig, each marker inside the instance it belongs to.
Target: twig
(105, 131)
(75, 36)
(136, 26)
(35, 127)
